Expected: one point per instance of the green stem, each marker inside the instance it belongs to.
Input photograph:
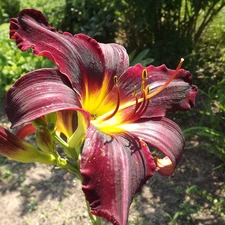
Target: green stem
(71, 168)
(98, 220)
(95, 220)
(72, 153)
(60, 140)
(65, 164)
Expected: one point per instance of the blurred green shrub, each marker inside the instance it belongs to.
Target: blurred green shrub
(211, 124)
(141, 58)
(97, 18)
(13, 62)
(171, 29)
(8, 9)
(53, 10)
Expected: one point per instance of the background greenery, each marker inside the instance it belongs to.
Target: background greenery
(154, 32)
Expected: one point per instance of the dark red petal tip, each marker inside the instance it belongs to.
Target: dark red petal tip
(39, 17)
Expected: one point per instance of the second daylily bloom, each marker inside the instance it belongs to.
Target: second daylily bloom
(107, 112)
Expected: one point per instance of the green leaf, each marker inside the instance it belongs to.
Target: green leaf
(140, 57)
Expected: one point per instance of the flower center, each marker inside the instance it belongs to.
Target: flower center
(140, 104)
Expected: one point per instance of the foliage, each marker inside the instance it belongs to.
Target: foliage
(98, 19)
(157, 32)
(171, 29)
(140, 58)
(208, 61)
(54, 10)
(14, 63)
(192, 205)
(210, 129)
(7, 12)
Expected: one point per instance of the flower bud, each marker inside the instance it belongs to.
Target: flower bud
(51, 119)
(19, 150)
(44, 140)
(38, 122)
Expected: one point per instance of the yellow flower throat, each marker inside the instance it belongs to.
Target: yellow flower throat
(112, 120)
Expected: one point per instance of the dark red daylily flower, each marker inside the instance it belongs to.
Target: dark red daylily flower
(110, 113)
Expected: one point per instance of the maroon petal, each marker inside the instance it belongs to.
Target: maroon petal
(114, 168)
(116, 59)
(38, 93)
(79, 57)
(25, 131)
(180, 94)
(161, 133)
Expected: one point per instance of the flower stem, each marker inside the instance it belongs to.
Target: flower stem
(98, 220)
(65, 164)
(95, 220)
(69, 151)
(73, 168)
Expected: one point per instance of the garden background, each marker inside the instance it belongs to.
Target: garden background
(156, 32)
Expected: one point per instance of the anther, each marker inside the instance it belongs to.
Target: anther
(144, 74)
(144, 77)
(115, 78)
(147, 89)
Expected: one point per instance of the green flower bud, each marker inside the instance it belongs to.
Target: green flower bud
(51, 119)
(44, 140)
(19, 150)
(38, 122)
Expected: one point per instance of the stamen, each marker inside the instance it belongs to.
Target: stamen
(144, 77)
(137, 105)
(143, 107)
(147, 101)
(115, 78)
(139, 109)
(144, 74)
(158, 90)
(136, 99)
(142, 103)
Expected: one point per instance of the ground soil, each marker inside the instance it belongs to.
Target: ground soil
(35, 194)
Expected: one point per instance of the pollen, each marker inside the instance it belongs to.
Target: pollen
(115, 78)
(144, 77)
(144, 74)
